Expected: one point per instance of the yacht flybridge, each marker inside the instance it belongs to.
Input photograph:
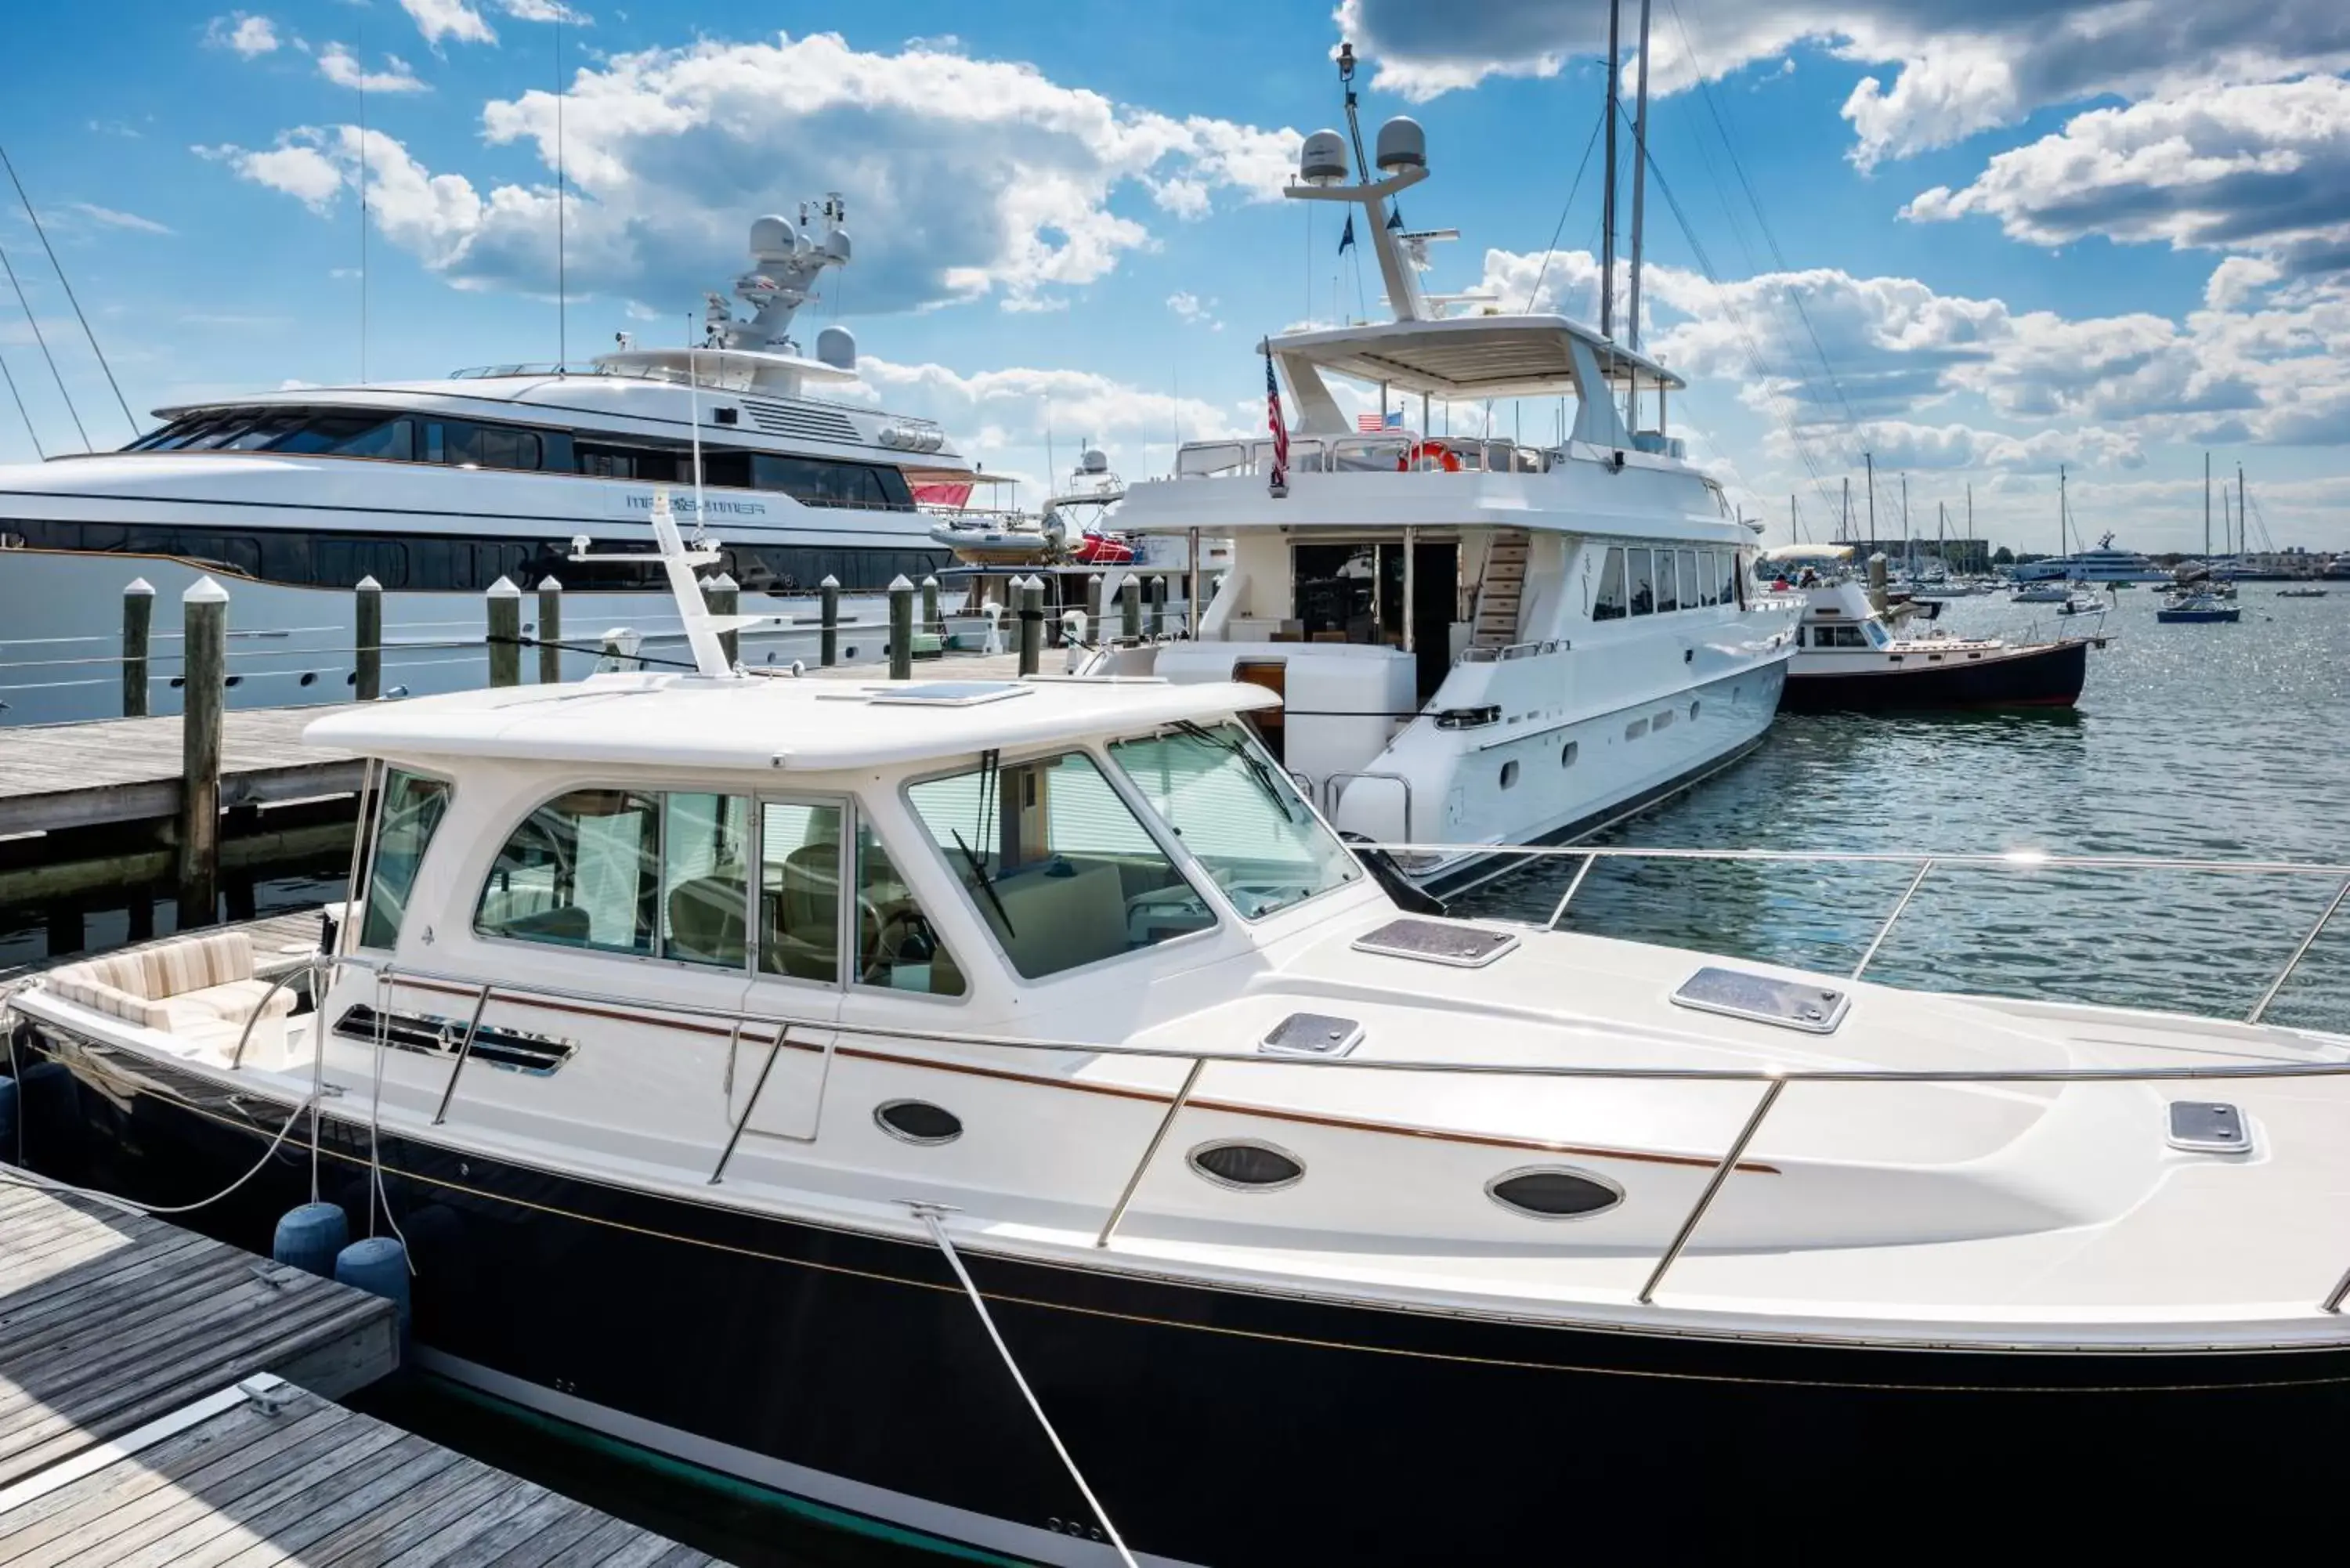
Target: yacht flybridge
(1004, 1109)
(437, 490)
(1481, 642)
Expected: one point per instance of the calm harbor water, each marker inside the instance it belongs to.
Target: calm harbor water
(2191, 742)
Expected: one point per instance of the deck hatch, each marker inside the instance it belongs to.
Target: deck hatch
(1463, 947)
(1312, 1034)
(948, 693)
(1764, 999)
(2208, 1126)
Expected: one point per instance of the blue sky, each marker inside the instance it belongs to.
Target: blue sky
(1983, 238)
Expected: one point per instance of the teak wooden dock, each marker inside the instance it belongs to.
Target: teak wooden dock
(166, 1398)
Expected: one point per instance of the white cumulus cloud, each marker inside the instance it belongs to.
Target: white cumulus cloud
(342, 68)
(248, 35)
(438, 19)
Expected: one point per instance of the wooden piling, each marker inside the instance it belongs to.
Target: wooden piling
(931, 622)
(137, 623)
(368, 649)
(1032, 623)
(830, 645)
(902, 628)
(204, 610)
(1093, 600)
(550, 632)
(724, 596)
(1159, 606)
(504, 639)
(1130, 607)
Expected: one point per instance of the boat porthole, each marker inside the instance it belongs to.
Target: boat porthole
(918, 1122)
(233, 680)
(1509, 775)
(1567, 753)
(353, 678)
(1246, 1166)
(1693, 708)
(1553, 1192)
(309, 678)
(178, 682)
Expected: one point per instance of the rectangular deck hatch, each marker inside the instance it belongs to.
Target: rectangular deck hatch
(948, 693)
(1312, 1034)
(2208, 1126)
(1763, 999)
(1463, 947)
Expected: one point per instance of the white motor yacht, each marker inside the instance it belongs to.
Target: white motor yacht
(437, 490)
(1005, 1111)
(1480, 642)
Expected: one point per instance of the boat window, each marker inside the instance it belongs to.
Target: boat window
(412, 806)
(896, 947)
(799, 891)
(705, 844)
(1709, 562)
(354, 434)
(1692, 594)
(1667, 596)
(1643, 582)
(582, 871)
(464, 444)
(1057, 865)
(1608, 603)
(818, 483)
(1239, 814)
(1877, 636)
(627, 463)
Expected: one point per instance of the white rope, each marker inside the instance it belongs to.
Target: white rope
(27, 1178)
(375, 1124)
(929, 1219)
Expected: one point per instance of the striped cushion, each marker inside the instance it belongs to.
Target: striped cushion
(81, 983)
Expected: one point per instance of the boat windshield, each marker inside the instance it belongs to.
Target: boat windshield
(1237, 814)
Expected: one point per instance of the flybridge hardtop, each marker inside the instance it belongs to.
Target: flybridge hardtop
(772, 725)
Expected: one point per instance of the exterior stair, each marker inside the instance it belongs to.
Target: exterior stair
(1498, 594)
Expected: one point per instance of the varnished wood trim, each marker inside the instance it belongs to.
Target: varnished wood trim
(1010, 1075)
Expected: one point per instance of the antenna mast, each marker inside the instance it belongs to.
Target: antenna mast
(363, 208)
(562, 295)
(1607, 196)
(1639, 183)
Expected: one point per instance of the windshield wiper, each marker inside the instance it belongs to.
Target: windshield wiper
(987, 883)
(1256, 766)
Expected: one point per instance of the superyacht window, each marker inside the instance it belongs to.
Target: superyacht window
(1692, 593)
(1669, 597)
(1240, 816)
(1608, 602)
(705, 846)
(1643, 582)
(1056, 864)
(1708, 565)
(412, 808)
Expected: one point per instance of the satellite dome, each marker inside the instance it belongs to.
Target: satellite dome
(1402, 144)
(836, 346)
(1094, 460)
(836, 245)
(772, 237)
(1324, 160)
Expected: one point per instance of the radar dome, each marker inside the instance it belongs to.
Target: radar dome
(1094, 460)
(836, 245)
(836, 346)
(772, 237)
(1402, 144)
(1324, 160)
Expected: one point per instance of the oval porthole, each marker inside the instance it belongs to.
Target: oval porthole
(1509, 775)
(1247, 1167)
(1567, 753)
(309, 678)
(1693, 708)
(918, 1122)
(1553, 1192)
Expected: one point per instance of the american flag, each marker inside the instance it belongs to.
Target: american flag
(1280, 430)
(1372, 424)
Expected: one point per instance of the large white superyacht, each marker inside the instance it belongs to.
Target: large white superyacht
(1480, 642)
(437, 489)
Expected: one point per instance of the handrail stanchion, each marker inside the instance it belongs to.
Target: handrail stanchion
(2333, 1301)
(1573, 887)
(1150, 1152)
(1886, 930)
(2292, 963)
(1712, 1189)
(465, 1050)
(766, 1067)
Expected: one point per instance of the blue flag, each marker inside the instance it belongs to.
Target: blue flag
(1346, 238)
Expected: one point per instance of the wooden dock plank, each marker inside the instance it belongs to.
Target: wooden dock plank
(58, 776)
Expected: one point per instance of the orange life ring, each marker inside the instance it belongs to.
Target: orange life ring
(1445, 456)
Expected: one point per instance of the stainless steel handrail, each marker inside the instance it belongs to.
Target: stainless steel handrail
(464, 1052)
(1886, 930)
(1713, 1185)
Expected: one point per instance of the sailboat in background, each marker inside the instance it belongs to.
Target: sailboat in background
(2194, 600)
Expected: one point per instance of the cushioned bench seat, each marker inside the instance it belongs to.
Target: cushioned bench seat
(199, 988)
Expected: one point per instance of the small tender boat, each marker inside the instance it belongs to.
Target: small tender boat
(1008, 542)
(2197, 607)
(2301, 593)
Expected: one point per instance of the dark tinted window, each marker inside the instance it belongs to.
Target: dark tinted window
(1643, 584)
(1607, 603)
(1667, 595)
(351, 435)
(819, 482)
(465, 444)
(1554, 1194)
